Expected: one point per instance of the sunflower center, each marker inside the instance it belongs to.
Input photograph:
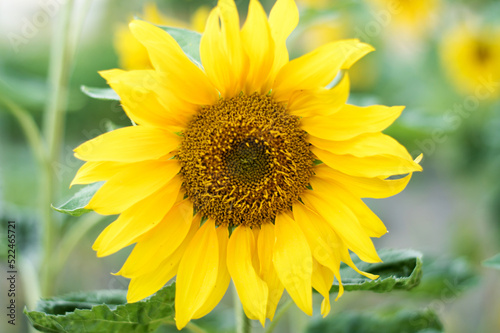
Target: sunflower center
(244, 160)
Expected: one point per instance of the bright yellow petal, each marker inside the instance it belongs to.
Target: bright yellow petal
(368, 144)
(230, 24)
(322, 280)
(132, 184)
(326, 246)
(368, 220)
(162, 216)
(197, 273)
(317, 68)
(130, 226)
(223, 277)
(351, 121)
(323, 241)
(144, 285)
(144, 100)
(346, 257)
(368, 166)
(344, 222)
(128, 144)
(167, 57)
(321, 101)
(363, 187)
(293, 261)
(265, 246)
(283, 18)
(252, 291)
(92, 172)
(212, 55)
(259, 46)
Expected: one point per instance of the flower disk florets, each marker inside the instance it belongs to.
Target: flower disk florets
(244, 160)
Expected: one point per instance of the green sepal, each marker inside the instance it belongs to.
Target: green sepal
(106, 94)
(188, 40)
(103, 311)
(75, 206)
(400, 269)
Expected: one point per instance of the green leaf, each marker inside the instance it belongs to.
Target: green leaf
(85, 312)
(443, 275)
(386, 321)
(493, 262)
(400, 269)
(75, 205)
(107, 94)
(188, 40)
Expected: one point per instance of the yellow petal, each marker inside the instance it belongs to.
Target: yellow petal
(265, 246)
(283, 18)
(140, 93)
(317, 68)
(351, 121)
(252, 291)
(92, 172)
(348, 260)
(132, 184)
(363, 187)
(326, 246)
(259, 46)
(130, 226)
(293, 261)
(344, 222)
(212, 54)
(197, 273)
(368, 166)
(167, 56)
(149, 218)
(321, 101)
(323, 241)
(322, 280)
(144, 285)
(368, 220)
(368, 144)
(223, 277)
(128, 144)
(230, 24)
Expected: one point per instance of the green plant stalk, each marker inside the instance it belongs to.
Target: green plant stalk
(28, 127)
(73, 238)
(277, 318)
(53, 130)
(242, 321)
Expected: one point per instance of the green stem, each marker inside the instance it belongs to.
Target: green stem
(59, 73)
(73, 237)
(195, 328)
(28, 127)
(242, 321)
(279, 316)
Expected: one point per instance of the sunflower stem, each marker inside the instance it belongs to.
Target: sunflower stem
(242, 321)
(194, 328)
(59, 73)
(282, 311)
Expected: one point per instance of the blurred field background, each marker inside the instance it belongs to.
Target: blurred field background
(439, 58)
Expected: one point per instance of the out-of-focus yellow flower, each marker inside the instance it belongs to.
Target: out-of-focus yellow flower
(411, 17)
(471, 57)
(132, 54)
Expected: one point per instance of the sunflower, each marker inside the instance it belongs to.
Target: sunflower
(470, 56)
(245, 169)
(132, 54)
